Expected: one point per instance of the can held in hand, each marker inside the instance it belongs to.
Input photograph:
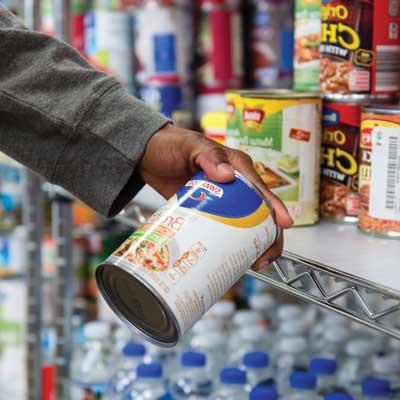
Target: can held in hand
(379, 177)
(170, 271)
(339, 197)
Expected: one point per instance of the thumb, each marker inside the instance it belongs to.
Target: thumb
(213, 160)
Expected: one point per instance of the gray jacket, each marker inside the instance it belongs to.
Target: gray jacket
(73, 125)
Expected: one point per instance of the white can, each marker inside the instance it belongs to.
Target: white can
(163, 43)
(169, 272)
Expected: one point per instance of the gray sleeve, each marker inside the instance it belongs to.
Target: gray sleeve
(73, 125)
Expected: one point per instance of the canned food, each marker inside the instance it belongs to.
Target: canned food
(213, 125)
(339, 197)
(307, 37)
(219, 44)
(360, 46)
(108, 43)
(379, 184)
(163, 47)
(165, 276)
(170, 99)
(272, 43)
(281, 131)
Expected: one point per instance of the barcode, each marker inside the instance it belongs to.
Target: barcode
(387, 68)
(392, 167)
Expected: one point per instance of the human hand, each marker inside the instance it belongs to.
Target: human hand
(173, 155)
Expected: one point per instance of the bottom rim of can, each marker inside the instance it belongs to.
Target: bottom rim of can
(117, 289)
(383, 235)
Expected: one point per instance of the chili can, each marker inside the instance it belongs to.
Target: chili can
(281, 131)
(360, 46)
(379, 182)
(170, 271)
(339, 197)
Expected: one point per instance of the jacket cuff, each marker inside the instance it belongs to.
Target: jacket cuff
(99, 161)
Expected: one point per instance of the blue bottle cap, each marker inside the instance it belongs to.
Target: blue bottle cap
(323, 366)
(375, 387)
(193, 359)
(303, 380)
(263, 393)
(338, 396)
(256, 359)
(234, 376)
(132, 349)
(152, 370)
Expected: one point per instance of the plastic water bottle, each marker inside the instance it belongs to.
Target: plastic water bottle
(357, 364)
(292, 356)
(259, 372)
(148, 384)
(132, 355)
(265, 305)
(250, 338)
(303, 386)
(387, 366)
(263, 393)
(247, 317)
(214, 346)
(223, 311)
(338, 396)
(289, 312)
(167, 357)
(325, 371)
(333, 343)
(232, 385)
(376, 389)
(193, 381)
(90, 371)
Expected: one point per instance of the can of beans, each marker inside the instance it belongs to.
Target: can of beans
(339, 197)
(360, 46)
(281, 131)
(170, 271)
(219, 44)
(379, 177)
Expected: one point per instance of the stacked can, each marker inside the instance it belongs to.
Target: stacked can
(219, 57)
(108, 43)
(163, 49)
(307, 37)
(272, 43)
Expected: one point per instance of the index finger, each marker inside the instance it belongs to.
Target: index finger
(244, 164)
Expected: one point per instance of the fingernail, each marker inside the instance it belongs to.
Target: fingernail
(225, 168)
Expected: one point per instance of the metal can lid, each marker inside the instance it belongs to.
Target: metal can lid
(384, 109)
(281, 94)
(358, 98)
(138, 305)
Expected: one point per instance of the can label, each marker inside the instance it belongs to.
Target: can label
(360, 46)
(198, 245)
(162, 46)
(233, 109)
(220, 48)
(339, 160)
(272, 44)
(108, 43)
(307, 41)
(379, 185)
(283, 138)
